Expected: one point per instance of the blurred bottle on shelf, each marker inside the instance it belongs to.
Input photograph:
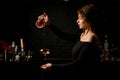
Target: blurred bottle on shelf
(106, 51)
(22, 53)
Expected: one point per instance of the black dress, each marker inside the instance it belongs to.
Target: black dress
(85, 57)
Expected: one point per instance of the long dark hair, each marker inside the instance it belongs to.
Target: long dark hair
(89, 11)
(93, 16)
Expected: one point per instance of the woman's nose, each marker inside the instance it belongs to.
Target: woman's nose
(77, 21)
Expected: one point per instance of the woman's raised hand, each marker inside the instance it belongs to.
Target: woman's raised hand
(42, 21)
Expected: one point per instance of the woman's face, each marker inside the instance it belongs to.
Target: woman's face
(81, 21)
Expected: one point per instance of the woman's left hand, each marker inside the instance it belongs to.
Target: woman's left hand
(46, 66)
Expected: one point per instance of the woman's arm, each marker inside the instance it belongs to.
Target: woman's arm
(71, 65)
(63, 35)
(43, 21)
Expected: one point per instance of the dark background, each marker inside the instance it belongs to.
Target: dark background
(18, 21)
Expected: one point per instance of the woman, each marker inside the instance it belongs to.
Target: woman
(86, 51)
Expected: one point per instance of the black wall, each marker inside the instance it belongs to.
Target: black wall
(18, 21)
(63, 16)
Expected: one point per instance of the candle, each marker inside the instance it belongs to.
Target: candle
(21, 44)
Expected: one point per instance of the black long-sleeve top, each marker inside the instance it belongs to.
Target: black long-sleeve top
(83, 53)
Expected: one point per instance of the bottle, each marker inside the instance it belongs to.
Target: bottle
(22, 52)
(11, 55)
(106, 44)
(17, 56)
(106, 49)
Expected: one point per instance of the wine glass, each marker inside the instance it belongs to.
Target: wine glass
(41, 21)
(45, 52)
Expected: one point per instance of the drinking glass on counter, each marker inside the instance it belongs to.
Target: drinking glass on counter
(45, 52)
